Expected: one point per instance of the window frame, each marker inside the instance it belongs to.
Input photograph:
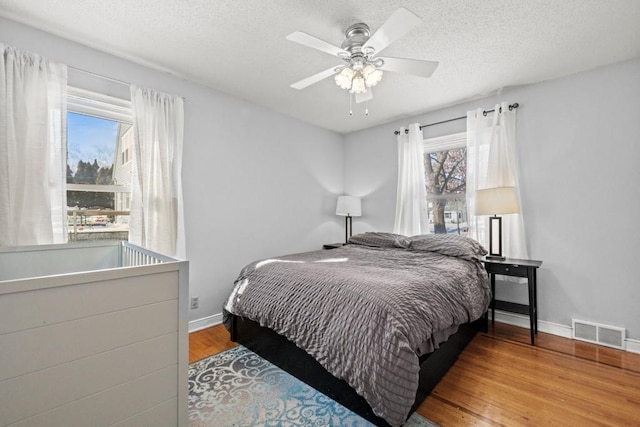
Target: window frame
(94, 104)
(98, 105)
(445, 142)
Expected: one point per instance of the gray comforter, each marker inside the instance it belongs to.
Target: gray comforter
(367, 311)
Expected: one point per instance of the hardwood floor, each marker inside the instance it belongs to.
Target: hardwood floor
(501, 380)
(208, 341)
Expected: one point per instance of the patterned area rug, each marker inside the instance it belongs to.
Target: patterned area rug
(239, 388)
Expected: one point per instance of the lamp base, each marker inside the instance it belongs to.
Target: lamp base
(348, 228)
(495, 239)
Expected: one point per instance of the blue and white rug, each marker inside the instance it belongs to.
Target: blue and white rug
(239, 388)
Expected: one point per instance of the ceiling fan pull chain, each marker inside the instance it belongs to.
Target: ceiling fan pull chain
(350, 108)
(366, 108)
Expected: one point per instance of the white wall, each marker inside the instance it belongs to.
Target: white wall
(579, 152)
(256, 183)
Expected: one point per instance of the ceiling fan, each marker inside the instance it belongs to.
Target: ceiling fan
(363, 68)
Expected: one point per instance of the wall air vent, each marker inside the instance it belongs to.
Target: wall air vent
(610, 336)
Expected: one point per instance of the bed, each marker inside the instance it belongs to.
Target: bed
(364, 318)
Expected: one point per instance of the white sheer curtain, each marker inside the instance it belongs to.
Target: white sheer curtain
(157, 220)
(411, 214)
(492, 162)
(32, 149)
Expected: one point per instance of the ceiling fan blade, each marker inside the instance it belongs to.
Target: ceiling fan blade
(314, 42)
(416, 67)
(363, 97)
(314, 79)
(400, 23)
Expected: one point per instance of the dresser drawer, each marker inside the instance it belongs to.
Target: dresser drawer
(507, 269)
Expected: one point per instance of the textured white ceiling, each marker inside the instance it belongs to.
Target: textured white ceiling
(239, 46)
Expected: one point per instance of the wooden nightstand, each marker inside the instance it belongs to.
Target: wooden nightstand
(517, 268)
(332, 245)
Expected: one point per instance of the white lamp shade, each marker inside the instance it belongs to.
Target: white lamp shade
(496, 201)
(349, 206)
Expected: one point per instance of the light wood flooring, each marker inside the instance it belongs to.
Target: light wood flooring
(501, 380)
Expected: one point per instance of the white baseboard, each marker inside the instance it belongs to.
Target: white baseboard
(543, 326)
(631, 345)
(205, 322)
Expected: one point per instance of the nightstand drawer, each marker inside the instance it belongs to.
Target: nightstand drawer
(507, 270)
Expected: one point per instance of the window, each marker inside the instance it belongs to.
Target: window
(445, 166)
(99, 133)
(125, 156)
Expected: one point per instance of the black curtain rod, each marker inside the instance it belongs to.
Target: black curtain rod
(484, 113)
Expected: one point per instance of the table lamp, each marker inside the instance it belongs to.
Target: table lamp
(496, 201)
(348, 206)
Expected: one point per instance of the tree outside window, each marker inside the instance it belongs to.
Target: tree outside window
(445, 164)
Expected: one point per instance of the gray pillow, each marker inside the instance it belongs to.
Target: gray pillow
(448, 244)
(380, 240)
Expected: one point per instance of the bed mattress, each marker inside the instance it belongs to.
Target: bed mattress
(367, 311)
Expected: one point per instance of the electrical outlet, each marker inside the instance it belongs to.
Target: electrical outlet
(195, 303)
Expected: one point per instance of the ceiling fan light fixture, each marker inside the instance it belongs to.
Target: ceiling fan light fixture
(344, 77)
(372, 75)
(357, 81)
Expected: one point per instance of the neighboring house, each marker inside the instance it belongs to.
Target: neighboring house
(122, 169)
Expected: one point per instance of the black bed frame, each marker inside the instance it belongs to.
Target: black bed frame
(286, 355)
